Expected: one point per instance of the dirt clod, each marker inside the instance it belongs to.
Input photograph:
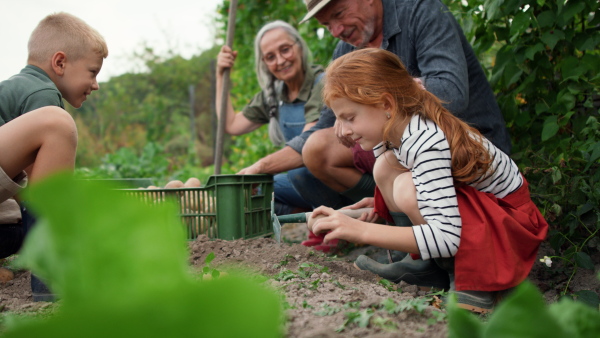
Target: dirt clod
(6, 275)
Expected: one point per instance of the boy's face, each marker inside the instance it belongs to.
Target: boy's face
(79, 78)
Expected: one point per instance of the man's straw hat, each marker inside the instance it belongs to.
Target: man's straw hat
(313, 6)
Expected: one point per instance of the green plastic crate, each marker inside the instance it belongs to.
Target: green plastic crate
(125, 182)
(226, 207)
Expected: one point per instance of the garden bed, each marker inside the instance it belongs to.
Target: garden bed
(323, 294)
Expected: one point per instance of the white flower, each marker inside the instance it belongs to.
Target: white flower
(546, 260)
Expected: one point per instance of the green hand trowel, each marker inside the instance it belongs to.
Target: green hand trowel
(303, 217)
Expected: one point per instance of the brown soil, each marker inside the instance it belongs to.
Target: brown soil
(331, 284)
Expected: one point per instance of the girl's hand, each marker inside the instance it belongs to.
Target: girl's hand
(367, 202)
(344, 140)
(225, 59)
(336, 225)
(419, 81)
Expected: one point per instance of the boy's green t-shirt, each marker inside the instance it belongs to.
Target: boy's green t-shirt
(31, 89)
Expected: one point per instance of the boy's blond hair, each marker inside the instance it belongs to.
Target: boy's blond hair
(67, 33)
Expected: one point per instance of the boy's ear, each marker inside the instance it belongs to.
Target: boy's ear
(59, 62)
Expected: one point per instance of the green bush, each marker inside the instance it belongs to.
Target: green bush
(546, 76)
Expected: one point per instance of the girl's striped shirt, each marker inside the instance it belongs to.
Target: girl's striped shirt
(424, 150)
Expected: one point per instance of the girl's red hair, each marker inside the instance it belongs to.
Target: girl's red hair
(371, 76)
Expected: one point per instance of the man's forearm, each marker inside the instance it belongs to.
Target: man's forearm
(326, 120)
(281, 160)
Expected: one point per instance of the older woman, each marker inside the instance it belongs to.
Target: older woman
(289, 101)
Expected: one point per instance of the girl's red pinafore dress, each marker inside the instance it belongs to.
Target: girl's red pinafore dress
(499, 240)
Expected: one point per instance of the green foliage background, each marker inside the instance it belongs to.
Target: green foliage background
(546, 76)
(142, 120)
(541, 57)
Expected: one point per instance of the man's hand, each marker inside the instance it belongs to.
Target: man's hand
(256, 168)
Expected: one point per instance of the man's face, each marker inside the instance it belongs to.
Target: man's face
(352, 21)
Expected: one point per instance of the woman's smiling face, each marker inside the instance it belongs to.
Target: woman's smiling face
(273, 44)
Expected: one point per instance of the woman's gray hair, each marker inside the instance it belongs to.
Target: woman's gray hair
(267, 80)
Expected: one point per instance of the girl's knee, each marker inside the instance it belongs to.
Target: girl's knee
(386, 169)
(405, 193)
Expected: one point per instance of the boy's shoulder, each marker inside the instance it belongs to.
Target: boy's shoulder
(29, 76)
(30, 89)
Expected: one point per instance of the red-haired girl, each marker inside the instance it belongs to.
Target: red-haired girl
(468, 205)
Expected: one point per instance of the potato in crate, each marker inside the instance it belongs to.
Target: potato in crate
(226, 207)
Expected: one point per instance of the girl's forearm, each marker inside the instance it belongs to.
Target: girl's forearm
(390, 237)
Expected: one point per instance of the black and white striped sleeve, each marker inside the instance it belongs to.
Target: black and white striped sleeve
(424, 149)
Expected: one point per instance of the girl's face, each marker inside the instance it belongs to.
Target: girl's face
(282, 55)
(362, 123)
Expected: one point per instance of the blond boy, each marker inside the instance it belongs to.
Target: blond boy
(37, 136)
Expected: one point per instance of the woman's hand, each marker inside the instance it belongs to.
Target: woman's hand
(225, 59)
(336, 225)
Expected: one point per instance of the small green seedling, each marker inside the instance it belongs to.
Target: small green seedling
(360, 318)
(327, 311)
(207, 270)
(389, 285)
